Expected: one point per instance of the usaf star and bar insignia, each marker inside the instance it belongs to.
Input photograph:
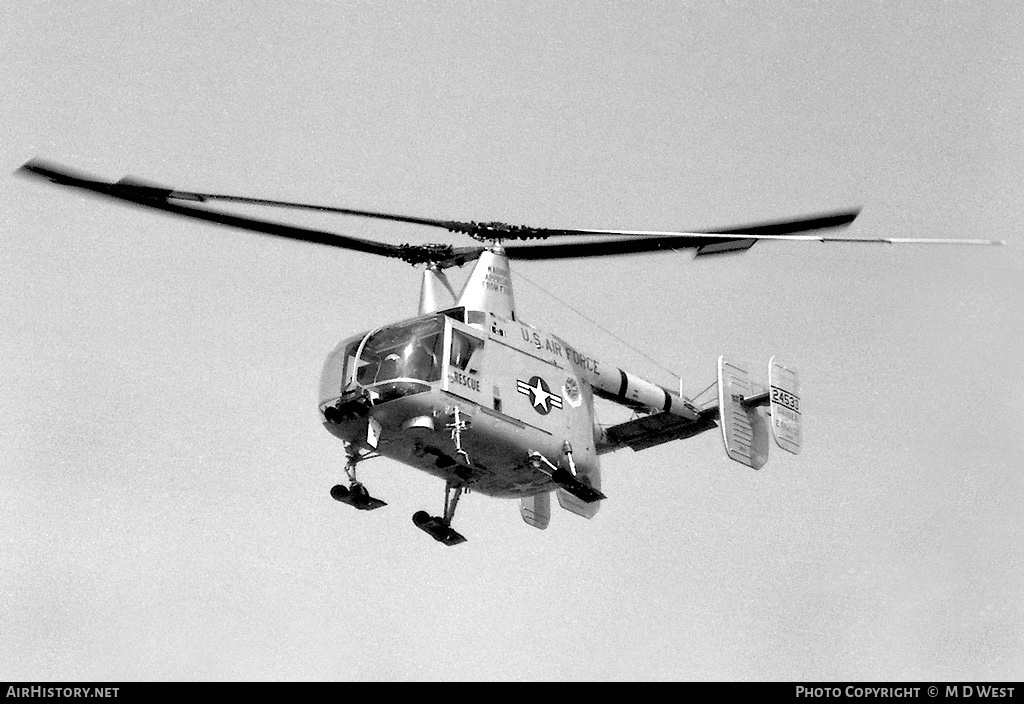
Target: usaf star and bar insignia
(541, 396)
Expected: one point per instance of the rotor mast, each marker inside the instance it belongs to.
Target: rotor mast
(489, 287)
(432, 298)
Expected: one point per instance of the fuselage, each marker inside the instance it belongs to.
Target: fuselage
(467, 397)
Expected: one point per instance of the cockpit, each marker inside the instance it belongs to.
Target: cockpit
(405, 351)
(395, 360)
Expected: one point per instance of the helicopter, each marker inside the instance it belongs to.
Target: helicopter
(469, 392)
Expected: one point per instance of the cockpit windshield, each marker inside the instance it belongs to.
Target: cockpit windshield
(406, 351)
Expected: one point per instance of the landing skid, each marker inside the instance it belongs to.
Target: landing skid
(356, 496)
(440, 528)
(437, 529)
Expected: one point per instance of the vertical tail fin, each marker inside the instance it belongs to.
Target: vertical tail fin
(743, 417)
(743, 428)
(787, 423)
(536, 510)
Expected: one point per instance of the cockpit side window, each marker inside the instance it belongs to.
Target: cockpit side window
(466, 352)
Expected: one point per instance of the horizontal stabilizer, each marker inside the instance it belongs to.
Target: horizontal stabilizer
(649, 431)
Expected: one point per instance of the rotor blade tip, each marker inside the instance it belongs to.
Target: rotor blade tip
(34, 168)
(28, 167)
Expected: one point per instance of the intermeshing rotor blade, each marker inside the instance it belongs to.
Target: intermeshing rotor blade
(761, 230)
(607, 248)
(497, 231)
(711, 241)
(714, 241)
(159, 198)
(393, 217)
(707, 241)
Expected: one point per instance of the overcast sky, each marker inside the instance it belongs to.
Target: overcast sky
(164, 506)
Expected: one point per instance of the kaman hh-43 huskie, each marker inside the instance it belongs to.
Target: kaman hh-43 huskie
(470, 392)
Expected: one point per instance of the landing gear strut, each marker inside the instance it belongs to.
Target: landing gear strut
(440, 527)
(355, 494)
